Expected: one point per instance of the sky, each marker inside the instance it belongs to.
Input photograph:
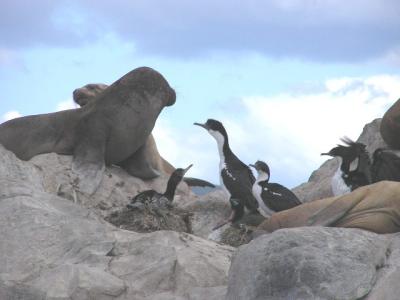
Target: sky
(288, 78)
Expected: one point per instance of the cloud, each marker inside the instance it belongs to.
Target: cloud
(68, 104)
(9, 58)
(288, 130)
(182, 146)
(330, 30)
(11, 115)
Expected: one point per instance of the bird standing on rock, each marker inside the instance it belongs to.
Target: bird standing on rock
(236, 177)
(271, 197)
(355, 167)
(157, 199)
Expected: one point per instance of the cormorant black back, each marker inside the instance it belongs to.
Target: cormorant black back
(164, 199)
(235, 176)
(271, 197)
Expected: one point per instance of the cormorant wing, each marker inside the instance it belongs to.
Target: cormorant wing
(277, 197)
(239, 184)
(190, 181)
(144, 196)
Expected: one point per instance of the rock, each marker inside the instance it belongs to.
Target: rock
(53, 248)
(386, 286)
(114, 192)
(390, 126)
(308, 263)
(207, 211)
(319, 184)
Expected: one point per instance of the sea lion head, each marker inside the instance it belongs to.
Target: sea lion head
(85, 94)
(151, 83)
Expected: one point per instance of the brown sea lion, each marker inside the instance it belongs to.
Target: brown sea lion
(374, 207)
(390, 126)
(147, 159)
(109, 130)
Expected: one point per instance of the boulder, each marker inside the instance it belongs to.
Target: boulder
(53, 248)
(309, 263)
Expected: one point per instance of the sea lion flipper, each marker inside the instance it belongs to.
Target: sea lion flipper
(336, 209)
(329, 214)
(88, 164)
(140, 164)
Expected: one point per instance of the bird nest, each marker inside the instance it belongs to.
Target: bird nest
(149, 218)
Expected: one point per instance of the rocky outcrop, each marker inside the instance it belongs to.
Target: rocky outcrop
(316, 263)
(319, 184)
(53, 248)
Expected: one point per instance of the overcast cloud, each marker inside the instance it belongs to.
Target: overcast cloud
(288, 131)
(329, 30)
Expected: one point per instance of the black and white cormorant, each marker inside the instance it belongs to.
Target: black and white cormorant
(157, 199)
(236, 177)
(355, 167)
(271, 197)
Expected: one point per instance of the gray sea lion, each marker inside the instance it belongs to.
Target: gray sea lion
(374, 207)
(390, 126)
(147, 161)
(109, 130)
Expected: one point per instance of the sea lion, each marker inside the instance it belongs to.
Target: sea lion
(107, 131)
(390, 126)
(374, 207)
(147, 160)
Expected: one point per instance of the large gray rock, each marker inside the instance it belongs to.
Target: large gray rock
(319, 184)
(387, 286)
(207, 211)
(53, 248)
(309, 263)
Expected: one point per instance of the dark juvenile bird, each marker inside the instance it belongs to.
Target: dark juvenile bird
(385, 165)
(157, 199)
(236, 177)
(355, 167)
(271, 197)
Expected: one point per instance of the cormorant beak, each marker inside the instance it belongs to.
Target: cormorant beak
(201, 125)
(187, 169)
(326, 154)
(253, 166)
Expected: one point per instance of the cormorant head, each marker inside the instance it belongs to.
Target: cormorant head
(340, 151)
(350, 152)
(175, 178)
(354, 157)
(261, 168)
(215, 128)
(179, 172)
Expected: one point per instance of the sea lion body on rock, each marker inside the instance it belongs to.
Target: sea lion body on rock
(374, 207)
(107, 131)
(147, 158)
(390, 126)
